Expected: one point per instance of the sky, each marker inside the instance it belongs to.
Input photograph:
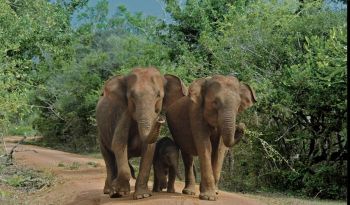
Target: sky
(157, 7)
(147, 7)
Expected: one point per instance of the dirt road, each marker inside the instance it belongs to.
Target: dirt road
(84, 185)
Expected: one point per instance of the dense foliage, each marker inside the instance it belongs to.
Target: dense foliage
(293, 53)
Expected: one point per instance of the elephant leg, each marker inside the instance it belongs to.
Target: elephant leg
(190, 181)
(171, 179)
(110, 168)
(207, 185)
(132, 171)
(163, 178)
(156, 185)
(218, 155)
(121, 185)
(141, 187)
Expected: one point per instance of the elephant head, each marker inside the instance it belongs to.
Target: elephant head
(220, 99)
(145, 92)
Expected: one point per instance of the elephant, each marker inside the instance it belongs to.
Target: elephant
(128, 122)
(203, 124)
(165, 164)
(239, 133)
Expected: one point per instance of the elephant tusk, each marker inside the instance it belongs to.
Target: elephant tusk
(160, 120)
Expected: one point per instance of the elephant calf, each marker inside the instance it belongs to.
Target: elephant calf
(165, 164)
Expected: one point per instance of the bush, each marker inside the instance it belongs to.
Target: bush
(25, 179)
(297, 64)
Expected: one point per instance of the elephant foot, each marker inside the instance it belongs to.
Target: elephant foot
(211, 196)
(119, 188)
(106, 190)
(156, 189)
(189, 191)
(170, 189)
(216, 190)
(142, 193)
(163, 185)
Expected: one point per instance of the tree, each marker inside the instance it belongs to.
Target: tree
(35, 39)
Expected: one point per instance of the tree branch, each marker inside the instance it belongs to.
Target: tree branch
(10, 154)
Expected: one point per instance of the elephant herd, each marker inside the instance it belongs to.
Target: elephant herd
(201, 120)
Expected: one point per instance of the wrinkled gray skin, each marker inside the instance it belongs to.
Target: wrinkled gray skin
(165, 165)
(128, 122)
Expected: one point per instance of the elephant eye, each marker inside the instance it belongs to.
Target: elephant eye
(132, 94)
(216, 103)
(158, 94)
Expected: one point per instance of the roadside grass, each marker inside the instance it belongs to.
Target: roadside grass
(74, 166)
(77, 165)
(10, 196)
(21, 178)
(17, 181)
(93, 164)
(96, 155)
(282, 199)
(61, 164)
(25, 179)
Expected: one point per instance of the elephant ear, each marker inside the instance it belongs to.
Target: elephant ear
(115, 90)
(247, 95)
(196, 91)
(174, 90)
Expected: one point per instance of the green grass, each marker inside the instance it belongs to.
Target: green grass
(96, 155)
(77, 165)
(2, 148)
(25, 179)
(280, 199)
(8, 197)
(21, 130)
(74, 166)
(92, 164)
(15, 180)
(4, 194)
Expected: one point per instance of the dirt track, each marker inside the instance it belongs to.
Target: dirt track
(84, 185)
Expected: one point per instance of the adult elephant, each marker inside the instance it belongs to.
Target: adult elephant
(204, 124)
(127, 116)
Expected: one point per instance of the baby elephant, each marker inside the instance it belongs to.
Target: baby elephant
(165, 164)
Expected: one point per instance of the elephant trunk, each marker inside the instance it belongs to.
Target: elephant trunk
(153, 136)
(145, 127)
(228, 128)
(149, 125)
